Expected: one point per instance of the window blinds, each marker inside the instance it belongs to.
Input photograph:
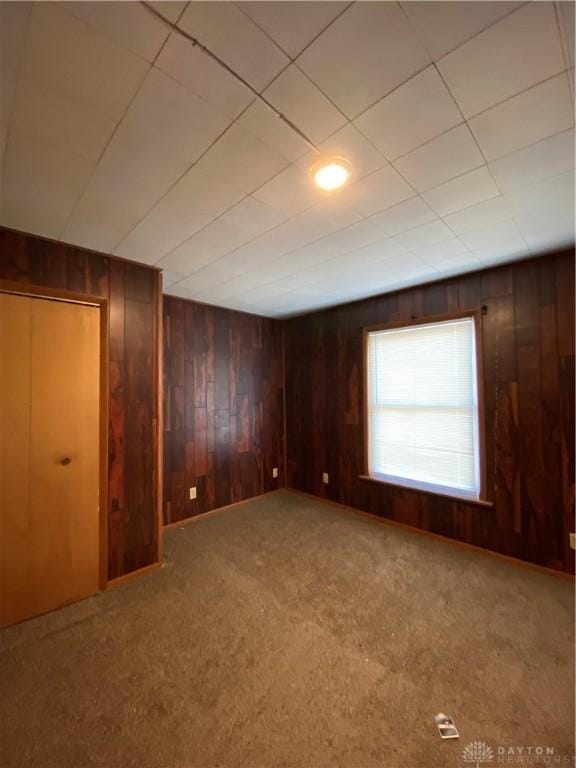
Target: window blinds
(423, 406)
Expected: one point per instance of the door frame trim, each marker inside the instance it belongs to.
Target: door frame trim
(57, 294)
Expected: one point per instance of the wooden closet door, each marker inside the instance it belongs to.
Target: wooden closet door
(49, 455)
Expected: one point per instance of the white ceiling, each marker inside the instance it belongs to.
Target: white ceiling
(457, 117)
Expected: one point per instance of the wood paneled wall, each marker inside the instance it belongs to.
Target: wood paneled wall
(223, 407)
(528, 347)
(224, 382)
(132, 292)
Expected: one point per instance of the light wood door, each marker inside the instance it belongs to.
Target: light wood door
(49, 454)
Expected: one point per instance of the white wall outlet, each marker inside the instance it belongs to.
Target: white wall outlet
(193, 492)
(325, 478)
(573, 540)
(275, 472)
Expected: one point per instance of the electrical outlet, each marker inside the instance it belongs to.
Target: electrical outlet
(275, 472)
(193, 492)
(573, 540)
(325, 478)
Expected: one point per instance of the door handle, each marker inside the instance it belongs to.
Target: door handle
(65, 461)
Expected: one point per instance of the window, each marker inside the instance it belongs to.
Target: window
(423, 422)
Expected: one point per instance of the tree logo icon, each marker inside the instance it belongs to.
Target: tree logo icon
(477, 752)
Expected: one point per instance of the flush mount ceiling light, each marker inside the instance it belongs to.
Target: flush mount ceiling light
(331, 173)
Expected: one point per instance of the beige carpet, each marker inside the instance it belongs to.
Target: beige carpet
(285, 632)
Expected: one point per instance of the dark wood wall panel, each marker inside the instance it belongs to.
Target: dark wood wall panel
(528, 346)
(223, 407)
(132, 293)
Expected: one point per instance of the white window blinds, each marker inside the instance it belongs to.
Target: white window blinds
(423, 407)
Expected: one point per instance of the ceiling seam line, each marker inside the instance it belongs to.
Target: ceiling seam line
(468, 39)
(392, 162)
(284, 51)
(494, 181)
(202, 154)
(290, 164)
(204, 48)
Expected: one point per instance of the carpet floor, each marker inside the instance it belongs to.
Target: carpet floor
(286, 632)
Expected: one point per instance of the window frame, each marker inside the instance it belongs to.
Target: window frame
(414, 485)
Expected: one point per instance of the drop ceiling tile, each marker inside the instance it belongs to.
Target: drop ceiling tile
(170, 278)
(236, 287)
(237, 164)
(407, 215)
(535, 114)
(425, 235)
(285, 238)
(179, 290)
(99, 222)
(547, 232)
(297, 261)
(290, 192)
(63, 52)
(133, 174)
(234, 166)
(317, 277)
(65, 123)
(458, 265)
(234, 37)
(293, 94)
(184, 210)
(441, 159)
(548, 157)
(414, 113)
(295, 306)
(442, 252)
(444, 26)
(267, 126)
(330, 215)
(383, 249)
(264, 295)
(551, 196)
(14, 22)
(128, 24)
(138, 168)
(203, 280)
(206, 246)
(381, 190)
(479, 216)
(355, 236)
(519, 51)
(253, 216)
(350, 144)
(462, 192)
(367, 52)
(168, 112)
(41, 185)
(501, 240)
(203, 76)
(566, 17)
(294, 282)
(377, 276)
(292, 25)
(138, 247)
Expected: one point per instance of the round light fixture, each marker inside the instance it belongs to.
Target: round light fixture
(331, 173)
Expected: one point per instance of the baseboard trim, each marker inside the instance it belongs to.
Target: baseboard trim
(462, 544)
(217, 511)
(133, 574)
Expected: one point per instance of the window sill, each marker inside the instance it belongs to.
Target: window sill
(429, 491)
